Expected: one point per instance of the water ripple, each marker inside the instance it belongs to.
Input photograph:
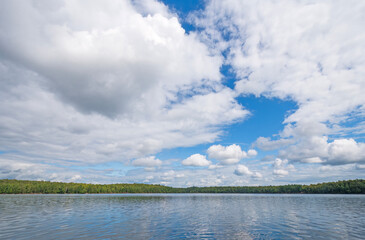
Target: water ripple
(187, 216)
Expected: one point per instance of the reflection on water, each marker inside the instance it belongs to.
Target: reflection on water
(175, 216)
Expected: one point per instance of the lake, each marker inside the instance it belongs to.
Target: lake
(179, 216)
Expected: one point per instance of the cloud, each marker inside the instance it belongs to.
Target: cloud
(24, 170)
(251, 153)
(196, 160)
(122, 82)
(320, 150)
(345, 150)
(305, 51)
(268, 144)
(280, 172)
(215, 166)
(257, 175)
(111, 66)
(147, 162)
(242, 170)
(281, 167)
(360, 166)
(125, 81)
(228, 155)
(312, 160)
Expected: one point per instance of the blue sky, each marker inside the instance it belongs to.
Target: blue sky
(182, 93)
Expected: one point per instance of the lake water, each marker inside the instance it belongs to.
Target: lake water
(179, 216)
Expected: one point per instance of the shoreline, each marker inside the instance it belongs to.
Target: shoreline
(7, 186)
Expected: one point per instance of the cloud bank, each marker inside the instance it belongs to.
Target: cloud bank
(309, 52)
(122, 82)
(125, 81)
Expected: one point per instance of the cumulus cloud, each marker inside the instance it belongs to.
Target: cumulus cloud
(111, 65)
(345, 151)
(320, 150)
(243, 170)
(231, 154)
(306, 51)
(122, 82)
(37, 171)
(281, 172)
(196, 160)
(281, 167)
(150, 161)
(257, 175)
(251, 153)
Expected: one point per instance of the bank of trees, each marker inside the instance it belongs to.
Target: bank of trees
(343, 187)
(21, 186)
(8, 186)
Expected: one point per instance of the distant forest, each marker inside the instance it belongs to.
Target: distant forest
(8, 186)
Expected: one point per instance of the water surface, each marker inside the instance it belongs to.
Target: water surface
(176, 216)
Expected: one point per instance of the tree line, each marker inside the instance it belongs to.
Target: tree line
(11, 186)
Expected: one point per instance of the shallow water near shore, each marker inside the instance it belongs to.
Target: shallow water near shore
(179, 216)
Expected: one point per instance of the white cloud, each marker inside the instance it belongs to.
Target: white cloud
(346, 151)
(307, 51)
(268, 144)
(215, 166)
(257, 175)
(231, 154)
(312, 160)
(307, 149)
(114, 65)
(320, 150)
(196, 160)
(281, 167)
(125, 81)
(280, 172)
(182, 177)
(36, 171)
(251, 153)
(243, 170)
(122, 82)
(150, 161)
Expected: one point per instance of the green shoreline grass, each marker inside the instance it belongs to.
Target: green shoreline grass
(10, 186)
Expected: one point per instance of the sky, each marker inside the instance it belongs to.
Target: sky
(182, 93)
